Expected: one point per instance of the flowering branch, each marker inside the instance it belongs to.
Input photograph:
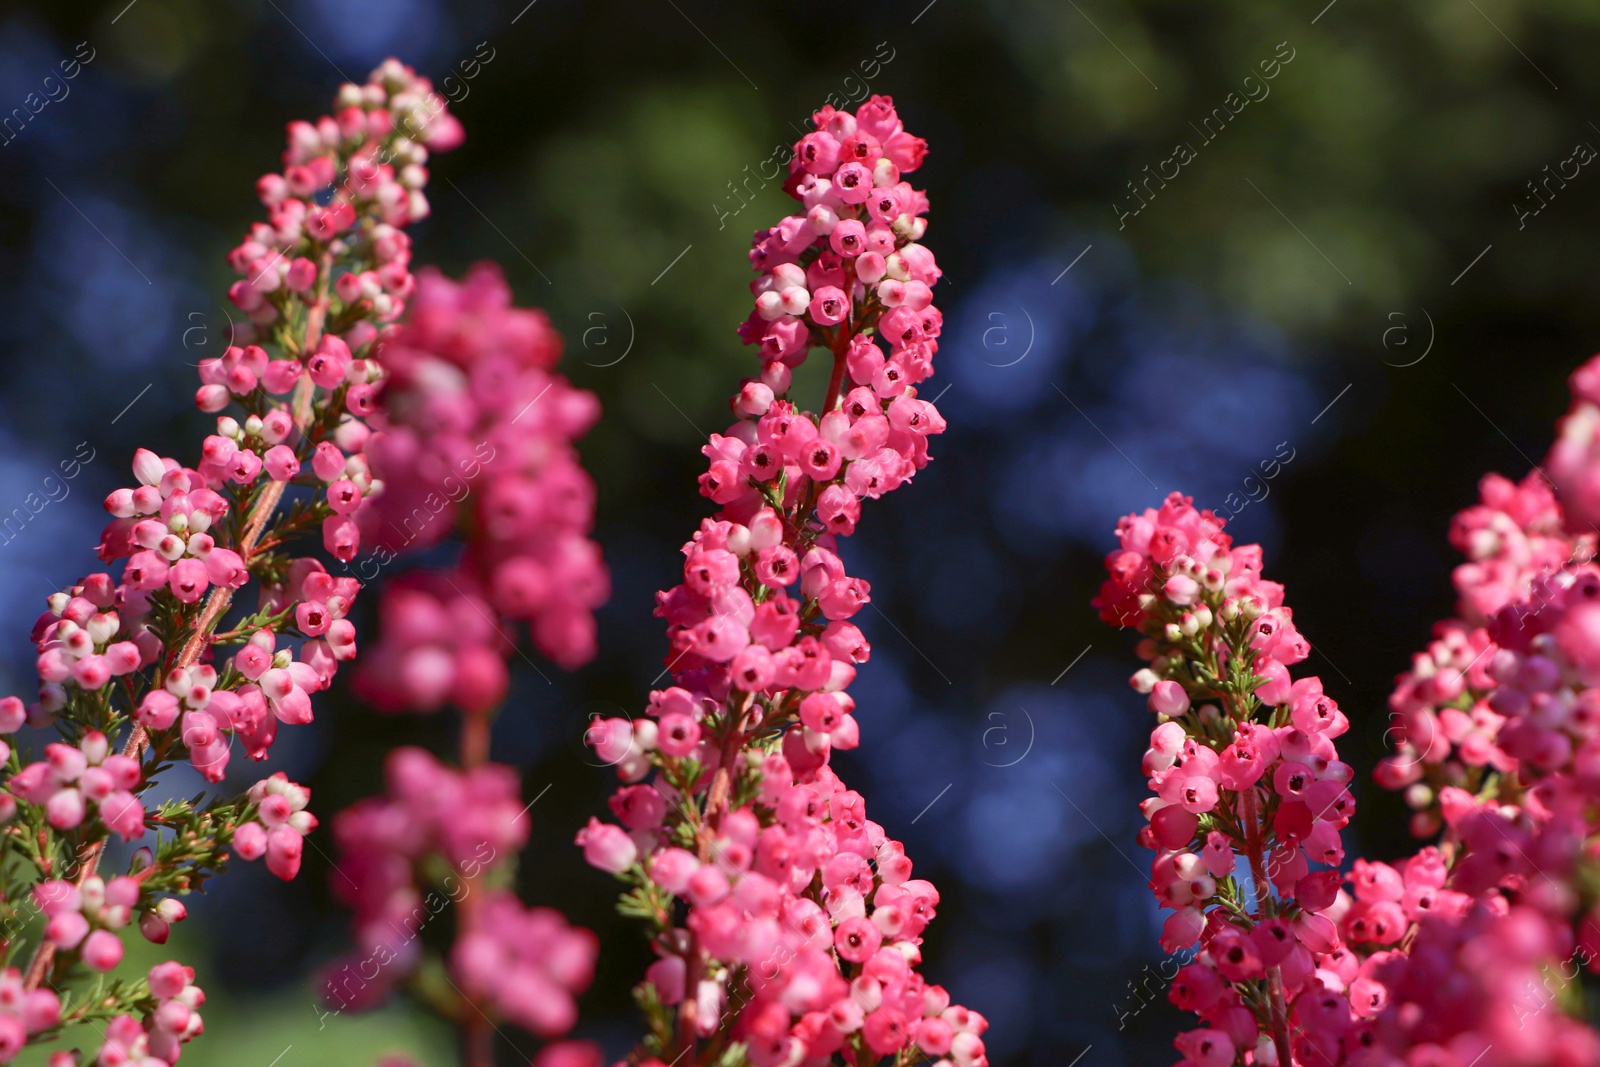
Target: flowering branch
(787, 925)
(1496, 735)
(1468, 952)
(475, 441)
(136, 658)
(1242, 764)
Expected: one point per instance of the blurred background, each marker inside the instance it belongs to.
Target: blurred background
(1334, 259)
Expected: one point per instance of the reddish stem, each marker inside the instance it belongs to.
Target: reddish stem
(477, 1037)
(688, 1008)
(1254, 849)
(718, 795)
(841, 345)
(717, 798)
(722, 779)
(474, 740)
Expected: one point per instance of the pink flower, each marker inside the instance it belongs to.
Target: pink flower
(678, 734)
(250, 841)
(188, 580)
(857, 940)
(66, 929)
(829, 306)
(529, 968)
(123, 814)
(284, 845)
(1169, 698)
(102, 951)
(280, 463)
(607, 847)
(671, 868)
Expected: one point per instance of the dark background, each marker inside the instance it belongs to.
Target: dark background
(1351, 239)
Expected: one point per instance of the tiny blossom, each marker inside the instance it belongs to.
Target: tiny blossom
(280, 825)
(156, 924)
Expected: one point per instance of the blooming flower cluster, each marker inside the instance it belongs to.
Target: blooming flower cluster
(783, 919)
(1504, 689)
(478, 433)
(1487, 970)
(1497, 739)
(354, 178)
(427, 810)
(136, 669)
(1466, 953)
(475, 440)
(427, 842)
(843, 274)
(23, 1012)
(74, 775)
(525, 964)
(1242, 765)
(1446, 730)
(1512, 536)
(280, 826)
(78, 639)
(86, 916)
(439, 643)
(173, 1021)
